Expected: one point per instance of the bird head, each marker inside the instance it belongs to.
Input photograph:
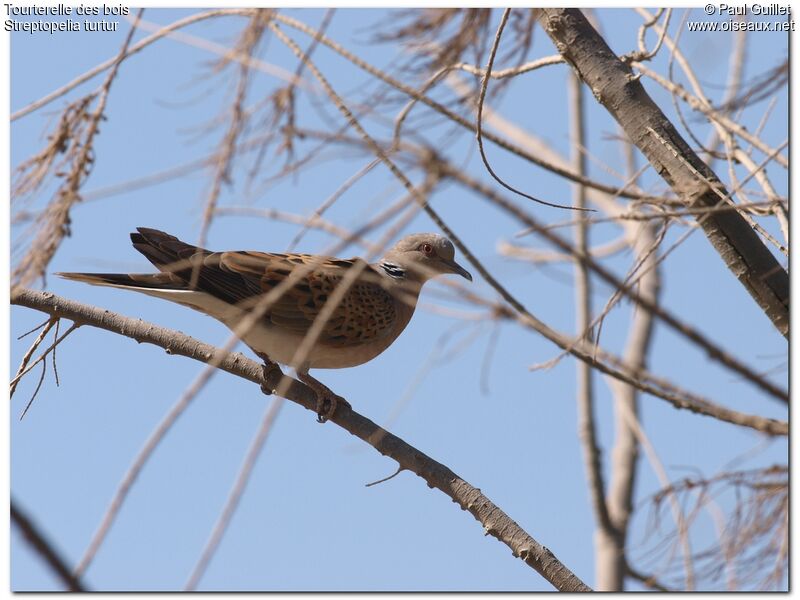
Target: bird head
(425, 255)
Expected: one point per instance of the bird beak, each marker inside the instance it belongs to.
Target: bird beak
(457, 269)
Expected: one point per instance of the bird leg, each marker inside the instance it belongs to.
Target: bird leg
(327, 400)
(267, 369)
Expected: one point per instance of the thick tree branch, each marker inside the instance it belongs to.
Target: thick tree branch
(494, 521)
(614, 85)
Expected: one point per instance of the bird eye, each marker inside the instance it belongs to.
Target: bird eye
(427, 249)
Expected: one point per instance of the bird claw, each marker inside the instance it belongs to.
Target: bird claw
(327, 405)
(267, 369)
(327, 400)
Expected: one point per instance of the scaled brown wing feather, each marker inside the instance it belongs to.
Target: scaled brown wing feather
(197, 268)
(366, 313)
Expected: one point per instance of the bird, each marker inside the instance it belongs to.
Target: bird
(374, 310)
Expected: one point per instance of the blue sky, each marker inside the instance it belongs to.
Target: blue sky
(307, 521)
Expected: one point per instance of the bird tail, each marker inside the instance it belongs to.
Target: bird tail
(180, 264)
(166, 252)
(154, 281)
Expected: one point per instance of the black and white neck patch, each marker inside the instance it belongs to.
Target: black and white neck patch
(394, 271)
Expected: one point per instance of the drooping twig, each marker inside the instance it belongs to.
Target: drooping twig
(479, 121)
(42, 359)
(48, 325)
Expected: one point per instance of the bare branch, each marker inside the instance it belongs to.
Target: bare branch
(495, 522)
(625, 453)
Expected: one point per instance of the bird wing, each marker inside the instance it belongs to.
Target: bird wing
(367, 312)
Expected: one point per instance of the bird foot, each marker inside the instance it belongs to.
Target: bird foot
(327, 400)
(267, 370)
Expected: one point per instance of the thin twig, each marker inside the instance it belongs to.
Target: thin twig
(35, 391)
(44, 354)
(647, 580)
(48, 325)
(30, 331)
(479, 126)
(331, 200)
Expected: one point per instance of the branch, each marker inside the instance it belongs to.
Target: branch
(458, 119)
(45, 549)
(714, 350)
(615, 86)
(574, 347)
(587, 424)
(495, 522)
(541, 149)
(479, 120)
(625, 453)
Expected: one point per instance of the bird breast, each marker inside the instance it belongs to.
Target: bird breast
(281, 345)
